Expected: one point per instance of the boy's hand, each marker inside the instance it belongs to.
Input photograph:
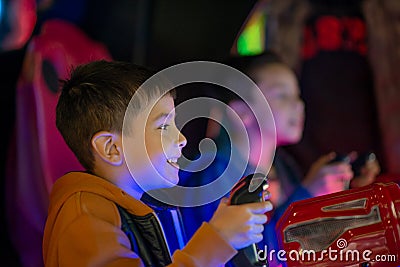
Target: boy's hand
(241, 225)
(325, 178)
(369, 171)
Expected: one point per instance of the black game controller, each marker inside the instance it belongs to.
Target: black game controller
(357, 164)
(340, 158)
(251, 188)
(361, 161)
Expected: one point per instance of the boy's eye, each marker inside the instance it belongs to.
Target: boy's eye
(163, 127)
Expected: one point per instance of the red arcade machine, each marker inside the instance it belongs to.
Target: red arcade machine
(357, 227)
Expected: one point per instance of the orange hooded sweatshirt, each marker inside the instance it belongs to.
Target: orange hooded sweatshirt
(83, 228)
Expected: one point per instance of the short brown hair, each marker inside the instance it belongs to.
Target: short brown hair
(95, 98)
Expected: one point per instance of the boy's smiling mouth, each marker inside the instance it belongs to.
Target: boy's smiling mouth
(173, 162)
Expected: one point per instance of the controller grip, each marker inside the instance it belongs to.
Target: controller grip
(245, 192)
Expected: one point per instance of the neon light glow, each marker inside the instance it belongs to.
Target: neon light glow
(251, 40)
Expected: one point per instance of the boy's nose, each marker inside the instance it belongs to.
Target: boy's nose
(300, 105)
(182, 140)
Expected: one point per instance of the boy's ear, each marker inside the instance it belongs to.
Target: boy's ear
(243, 111)
(108, 147)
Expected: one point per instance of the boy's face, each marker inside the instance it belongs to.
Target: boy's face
(154, 146)
(280, 87)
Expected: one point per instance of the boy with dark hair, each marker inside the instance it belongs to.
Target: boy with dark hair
(96, 217)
